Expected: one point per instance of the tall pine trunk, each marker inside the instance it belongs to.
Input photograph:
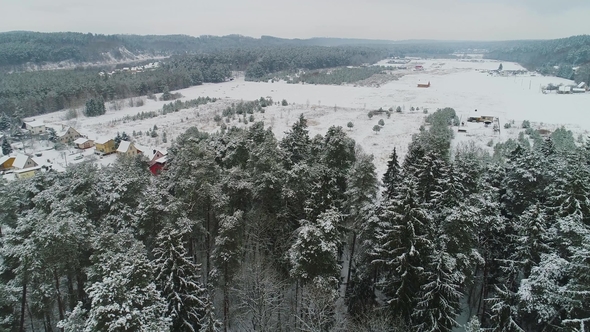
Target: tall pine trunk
(208, 244)
(225, 299)
(60, 305)
(23, 303)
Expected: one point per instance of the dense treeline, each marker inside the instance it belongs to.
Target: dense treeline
(335, 76)
(244, 231)
(31, 93)
(312, 57)
(22, 47)
(218, 227)
(18, 48)
(564, 53)
(505, 239)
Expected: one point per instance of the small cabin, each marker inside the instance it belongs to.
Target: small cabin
(83, 143)
(421, 85)
(158, 165)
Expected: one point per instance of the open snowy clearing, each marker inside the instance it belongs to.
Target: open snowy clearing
(465, 85)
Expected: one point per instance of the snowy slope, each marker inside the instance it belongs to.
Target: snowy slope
(464, 85)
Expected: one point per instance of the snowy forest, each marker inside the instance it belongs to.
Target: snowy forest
(245, 232)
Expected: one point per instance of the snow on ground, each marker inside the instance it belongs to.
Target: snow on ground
(465, 85)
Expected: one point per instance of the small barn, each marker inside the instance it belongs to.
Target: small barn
(83, 143)
(422, 85)
(159, 165)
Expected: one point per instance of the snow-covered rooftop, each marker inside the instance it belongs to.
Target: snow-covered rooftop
(162, 160)
(20, 161)
(124, 146)
(27, 169)
(150, 153)
(60, 129)
(81, 140)
(35, 123)
(3, 159)
(102, 140)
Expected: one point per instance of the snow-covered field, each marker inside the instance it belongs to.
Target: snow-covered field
(464, 85)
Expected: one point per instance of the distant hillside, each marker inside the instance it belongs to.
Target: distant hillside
(544, 55)
(21, 50)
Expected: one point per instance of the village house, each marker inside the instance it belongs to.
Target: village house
(6, 162)
(158, 165)
(22, 161)
(151, 154)
(127, 148)
(65, 134)
(83, 143)
(104, 146)
(35, 127)
(18, 162)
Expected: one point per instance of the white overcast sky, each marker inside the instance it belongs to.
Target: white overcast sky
(371, 19)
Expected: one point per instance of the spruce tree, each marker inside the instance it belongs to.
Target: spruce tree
(404, 242)
(178, 279)
(315, 250)
(504, 310)
(296, 143)
(123, 295)
(532, 239)
(392, 176)
(4, 122)
(227, 255)
(569, 194)
(6, 148)
(438, 305)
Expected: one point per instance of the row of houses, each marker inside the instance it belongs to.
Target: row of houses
(567, 89)
(63, 134)
(103, 146)
(21, 165)
(136, 69)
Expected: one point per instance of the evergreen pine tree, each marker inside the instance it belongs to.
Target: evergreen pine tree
(504, 311)
(227, 255)
(404, 243)
(296, 143)
(438, 305)
(4, 122)
(123, 295)
(6, 148)
(392, 176)
(524, 183)
(548, 148)
(178, 280)
(569, 194)
(315, 250)
(532, 239)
